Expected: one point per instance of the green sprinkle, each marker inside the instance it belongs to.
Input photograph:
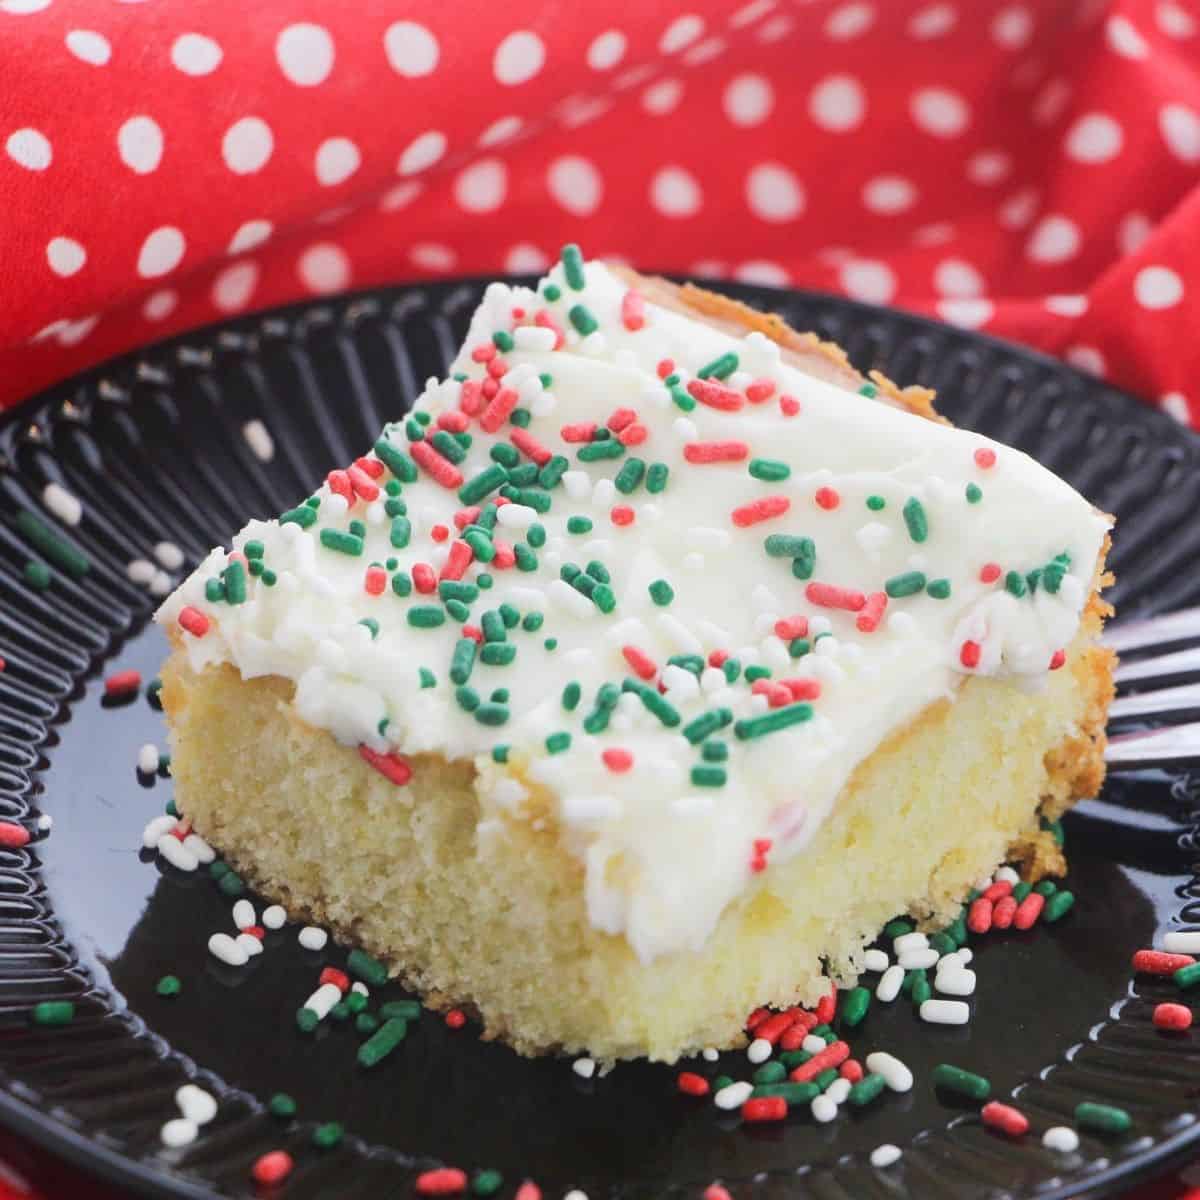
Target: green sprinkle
(535, 535)
(604, 598)
(869, 390)
(683, 401)
(785, 545)
(500, 754)
(377, 1047)
(1014, 584)
(630, 476)
(825, 1078)
(581, 317)
(531, 622)
(427, 677)
(1057, 906)
(340, 1012)
(1055, 829)
(770, 1072)
(405, 1010)
(505, 455)
(921, 990)
(371, 625)
(255, 566)
(58, 550)
(447, 446)
(865, 1090)
(396, 460)
(168, 986)
(754, 673)
(1052, 577)
(964, 1083)
(402, 583)
(365, 1023)
(486, 1183)
(654, 702)
(915, 519)
(876, 503)
(302, 516)
(502, 340)
(771, 722)
(254, 549)
(394, 507)
(235, 582)
(1032, 578)
(731, 669)
(306, 1020)
(855, 1003)
(343, 543)
(1103, 1118)
(523, 475)
(531, 497)
(714, 751)
(414, 430)
(697, 729)
(422, 417)
(799, 647)
(37, 575)
(356, 1002)
(974, 493)
(484, 581)
(509, 615)
(497, 654)
(598, 571)
(1047, 887)
(467, 697)
(942, 942)
(269, 578)
(478, 486)
(214, 591)
(708, 776)
(550, 644)
(792, 1059)
(281, 1105)
(939, 589)
(231, 884)
(1021, 890)
(595, 451)
(462, 661)
(570, 696)
(805, 561)
(481, 545)
(720, 368)
(492, 714)
(370, 970)
(572, 261)
(425, 616)
(526, 559)
(689, 662)
(493, 626)
(219, 869)
(550, 475)
(656, 477)
(908, 584)
(454, 589)
(957, 929)
(792, 1093)
(551, 292)
(579, 524)
(520, 417)
(1188, 976)
(556, 743)
(769, 470)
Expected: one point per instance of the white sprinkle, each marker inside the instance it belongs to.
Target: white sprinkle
(313, 938)
(323, 999)
(179, 1132)
(680, 636)
(243, 914)
(759, 1050)
(895, 1074)
(196, 1104)
(259, 439)
(248, 942)
(534, 337)
(955, 981)
(945, 1012)
(1182, 941)
(274, 917)
(712, 679)
(681, 685)
(1007, 875)
(199, 847)
(517, 516)
(838, 1090)
(222, 946)
(169, 555)
(585, 1068)
(823, 1109)
(885, 1155)
(45, 822)
(685, 429)
(733, 1095)
(65, 506)
(575, 1194)
(155, 828)
(918, 960)
(812, 1044)
(965, 954)
(568, 599)
(604, 493)
(174, 851)
(876, 960)
(1061, 1138)
(710, 1054)
(577, 484)
(147, 759)
(161, 584)
(888, 987)
(360, 987)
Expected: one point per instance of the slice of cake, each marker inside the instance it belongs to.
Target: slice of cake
(642, 672)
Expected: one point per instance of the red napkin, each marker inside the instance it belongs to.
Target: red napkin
(1026, 168)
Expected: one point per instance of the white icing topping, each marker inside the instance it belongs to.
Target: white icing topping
(663, 851)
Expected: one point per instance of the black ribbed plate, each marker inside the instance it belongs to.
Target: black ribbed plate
(152, 444)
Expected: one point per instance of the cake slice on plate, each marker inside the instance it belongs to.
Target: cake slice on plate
(643, 671)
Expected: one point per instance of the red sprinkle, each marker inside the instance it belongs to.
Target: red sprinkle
(789, 406)
(851, 1069)
(633, 435)
(256, 931)
(474, 633)
(484, 353)
(466, 516)
(497, 368)
(803, 688)
(1175, 1017)
(193, 620)
(979, 916)
(985, 458)
(1005, 1118)
(489, 387)
(643, 665)
(390, 766)
(715, 395)
(756, 1018)
(691, 1084)
(718, 658)
(547, 321)
(665, 367)
(789, 628)
(715, 1191)
(760, 390)
(122, 683)
(456, 1018)
(989, 572)
(827, 595)
(338, 978)
(765, 1108)
(581, 431)
(774, 1027)
(827, 1006)
(13, 836)
(621, 514)
(458, 560)
(1004, 912)
(969, 653)
(620, 418)
(872, 612)
(995, 891)
(273, 1167)
(758, 861)
(470, 399)
(505, 556)
(777, 695)
(713, 452)
(528, 1191)
(424, 580)
(1057, 659)
(529, 445)
(1160, 962)
(373, 466)
(633, 311)
(375, 580)
(616, 759)
(453, 420)
(364, 486)
(760, 510)
(499, 409)
(827, 498)
(339, 483)
(443, 1181)
(439, 533)
(833, 1055)
(442, 469)
(1029, 910)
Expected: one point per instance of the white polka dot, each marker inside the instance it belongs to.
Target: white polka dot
(411, 49)
(23, 7)
(575, 185)
(575, 111)
(331, 216)
(524, 259)
(336, 160)
(933, 21)
(774, 193)
(1086, 358)
(706, 51)
(1054, 239)
(49, 331)
(1094, 138)
(74, 332)
(759, 271)
(936, 234)
(65, 256)
(247, 145)
(748, 100)
(750, 13)
(940, 112)
(1174, 21)
(161, 252)
(867, 280)
(966, 313)
(305, 54)
(1012, 27)
(140, 144)
(634, 76)
(1132, 231)
(89, 46)
(660, 98)
(606, 50)
(849, 21)
(482, 186)
(29, 149)
(195, 54)
(834, 256)
(1067, 305)
(1157, 287)
(503, 129)
(324, 268)
(957, 279)
(1124, 39)
(1051, 101)
(888, 194)
(776, 29)
(682, 32)
(1175, 404)
(674, 192)
(432, 256)
(160, 305)
(837, 103)
(518, 58)
(233, 287)
(422, 152)
(1180, 128)
(401, 196)
(988, 167)
(249, 235)
(1019, 209)
(707, 268)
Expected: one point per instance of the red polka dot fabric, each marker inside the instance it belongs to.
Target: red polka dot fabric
(1025, 168)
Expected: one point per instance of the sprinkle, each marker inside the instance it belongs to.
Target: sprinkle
(62, 504)
(855, 1003)
(974, 493)
(661, 592)
(60, 552)
(915, 519)
(945, 1012)
(1182, 941)
(123, 683)
(1103, 1118)
(573, 272)
(827, 595)
(1187, 977)
(1158, 962)
(442, 1181)
(643, 665)
(938, 589)
(760, 510)
(621, 514)
(867, 1089)
(617, 759)
(827, 498)
(714, 395)
(691, 1084)
(1174, 1017)
(720, 368)
(582, 318)
(969, 654)
(633, 311)
(872, 612)
(770, 722)
(908, 584)
(629, 477)
(272, 1168)
(312, 937)
(885, 1155)
(223, 948)
(52, 1013)
(769, 470)
(990, 572)
(1057, 906)
(178, 1133)
(392, 767)
(964, 1083)
(985, 458)
(715, 452)
(789, 406)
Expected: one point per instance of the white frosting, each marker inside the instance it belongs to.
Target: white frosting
(664, 855)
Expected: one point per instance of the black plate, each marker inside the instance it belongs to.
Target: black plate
(152, 445)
